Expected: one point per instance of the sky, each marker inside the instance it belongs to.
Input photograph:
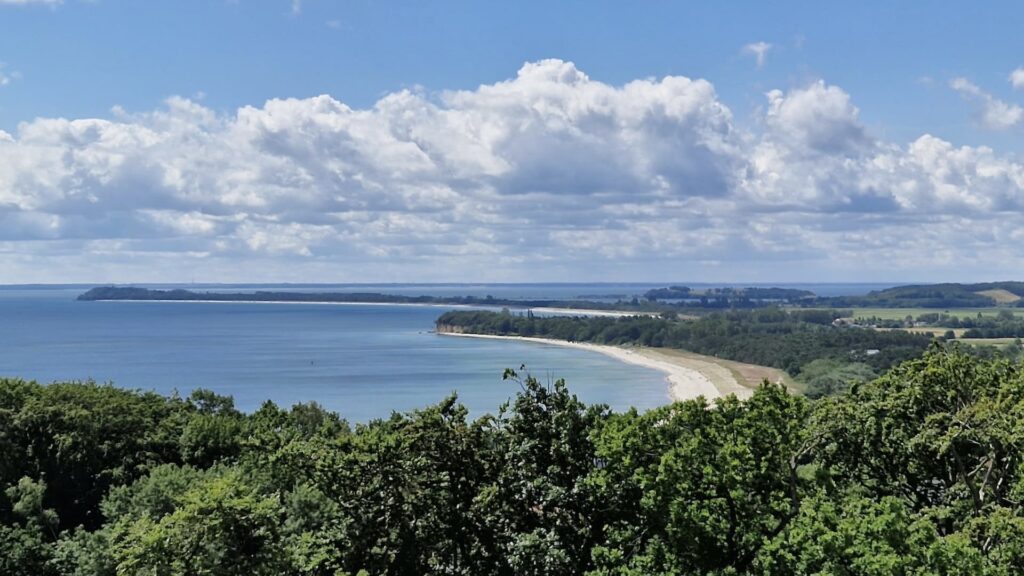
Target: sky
(479, 141)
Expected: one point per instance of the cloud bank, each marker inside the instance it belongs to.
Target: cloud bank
(549, 175)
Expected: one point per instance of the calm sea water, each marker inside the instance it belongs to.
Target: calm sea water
(361, 361)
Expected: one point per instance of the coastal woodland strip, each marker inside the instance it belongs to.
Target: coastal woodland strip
(918, 472)
(804, 343)
(106, 293)
(710, 299)
(926, 296)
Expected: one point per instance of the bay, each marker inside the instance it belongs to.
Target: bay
(362, 361)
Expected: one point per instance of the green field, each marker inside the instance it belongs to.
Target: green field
(901, 313)
(933, 330)
(987, 341)
(958, 332)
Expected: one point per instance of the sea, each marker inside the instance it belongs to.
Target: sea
(362, 361)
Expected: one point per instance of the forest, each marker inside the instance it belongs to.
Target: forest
(917, 472)
(804, 343)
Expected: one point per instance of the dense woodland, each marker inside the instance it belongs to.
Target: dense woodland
(804, 343)
(918, 472)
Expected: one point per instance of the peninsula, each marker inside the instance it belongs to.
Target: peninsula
(544, 305)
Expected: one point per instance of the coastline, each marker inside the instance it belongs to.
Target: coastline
(687, 379)
(540, 310)
(304, 302)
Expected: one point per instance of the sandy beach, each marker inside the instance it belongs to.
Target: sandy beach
(687, 378)
(586, 312)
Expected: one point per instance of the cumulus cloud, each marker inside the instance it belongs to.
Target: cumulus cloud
(550, 175)
(759, 50)
(1017, 78)
(817, 118)
(994, 113)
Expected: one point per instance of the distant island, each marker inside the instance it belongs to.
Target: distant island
(729, 294)
(133, 293)
(933, 296)
(652, 302)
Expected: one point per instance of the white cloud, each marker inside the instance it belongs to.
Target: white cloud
(817, 118)
(1017, 78)
(994, 114)
(7, 76)
(549, 175)
(759, 50)
(27, 2)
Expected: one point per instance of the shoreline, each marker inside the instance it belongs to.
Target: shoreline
(686, 379)
(541, 310)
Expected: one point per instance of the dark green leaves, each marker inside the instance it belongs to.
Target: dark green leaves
(918, 472)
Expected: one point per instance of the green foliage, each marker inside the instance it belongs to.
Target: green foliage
(220, 525)
(81, 439)
(24, 550)
(828, 377)
(917, 472)
(790, 340)
(858, 535)
(536, 509)
(700, 490)
(82, 553)
(938, 431)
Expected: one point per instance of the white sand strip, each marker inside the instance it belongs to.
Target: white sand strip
(685, 383)
(585, 312)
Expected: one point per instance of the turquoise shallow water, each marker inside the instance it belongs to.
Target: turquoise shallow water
(361, 361)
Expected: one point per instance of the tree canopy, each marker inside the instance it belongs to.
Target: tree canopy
(917, 472)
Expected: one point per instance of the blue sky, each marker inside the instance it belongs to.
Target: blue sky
(813, 138)
(78, 59)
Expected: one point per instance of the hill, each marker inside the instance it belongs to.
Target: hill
(947, 295)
